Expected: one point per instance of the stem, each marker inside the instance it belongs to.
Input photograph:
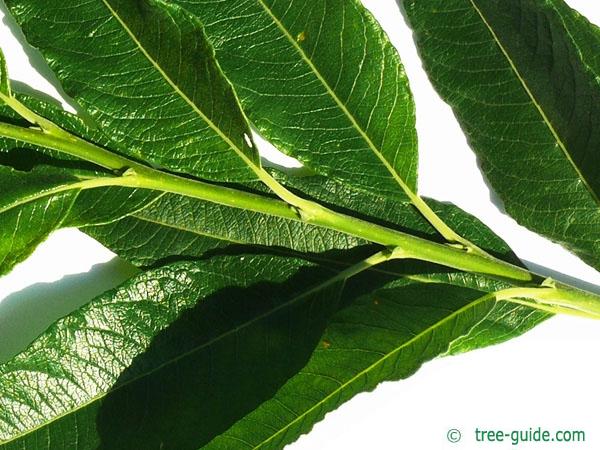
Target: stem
(73, 146)
(551, 297)
(91, 183)
(447, 233)
(29, 115)
(48, 127)
(557, 296)
(315, 214)
(550, 308)
(141, 176)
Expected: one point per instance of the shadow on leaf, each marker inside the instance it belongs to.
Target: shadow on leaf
(218, 361)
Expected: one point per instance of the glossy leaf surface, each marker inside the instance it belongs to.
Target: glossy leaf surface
(183, 352)
(177, 353)
(214, 345)
(320, 80)
(4, 81)
(116, 58)
(522, 77)
(42, 192)
(31, 206)
(385, 335)
(152, 235)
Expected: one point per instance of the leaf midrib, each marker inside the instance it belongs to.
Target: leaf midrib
(74, 186)
(535, 102)
(281, 250)
(277, 250)
(77, 187)
(377, 363)
(138, 215)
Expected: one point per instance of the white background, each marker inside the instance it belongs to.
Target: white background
(547, 378)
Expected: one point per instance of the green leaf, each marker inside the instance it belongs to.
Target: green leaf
(385, 335)
(321, 81)
(506, 321)
(31, 206)
(523, 79)
(381, 209)
(142, 380)
(34, 204)
(42, 193)
(4, 80)
(171, 227)
(116, 409)
(176, 228)
(147, 75)
(177, 354)
(184, 352)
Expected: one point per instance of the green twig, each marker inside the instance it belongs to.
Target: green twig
(550, 296)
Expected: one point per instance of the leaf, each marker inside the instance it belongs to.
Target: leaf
(385, 335)
(117, 410)
(171, 228)
(31, 206)
(34, 204)
(41, 193)
(117, 59)
(125, 408)
(183, 352)
(4, 81)
(145, 239)
(522, 77)
(176, 354)
(506, 321)
(174, 226)
(321, 81)
(93, 414)
(103, 205)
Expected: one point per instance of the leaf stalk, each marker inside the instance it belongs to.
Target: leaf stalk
(555, 298)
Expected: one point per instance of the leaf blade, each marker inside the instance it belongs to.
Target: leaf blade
(118, 323)
(346, 364)
(24, 224)
(186, 228)
(110, 58)
(516, 95)
(357, 118)
(4, 80)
